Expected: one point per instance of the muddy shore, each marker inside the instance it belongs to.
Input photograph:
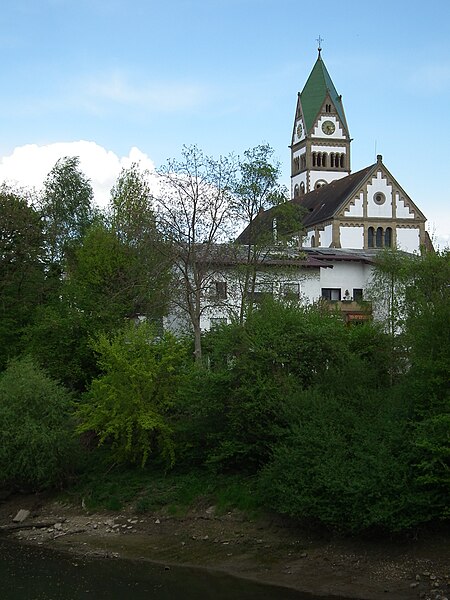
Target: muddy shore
(267, 551)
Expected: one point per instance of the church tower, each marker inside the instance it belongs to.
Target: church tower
(320, 146)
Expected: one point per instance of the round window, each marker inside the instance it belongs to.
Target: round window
(379, 198)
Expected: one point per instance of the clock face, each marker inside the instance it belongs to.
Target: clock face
(328, 127)
(299, 130)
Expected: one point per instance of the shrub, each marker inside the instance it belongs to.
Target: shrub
(349, 459)
(37, 446)
(129, 406)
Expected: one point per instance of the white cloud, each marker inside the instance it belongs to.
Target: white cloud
(29, 165)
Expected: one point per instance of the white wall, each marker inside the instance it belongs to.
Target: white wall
(408, 239)
(346, 276)
(379, 184)
(403, 211)
(356, 209)
(352, 237)
(326, 236)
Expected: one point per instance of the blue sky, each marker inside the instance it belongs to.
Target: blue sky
(141, 78)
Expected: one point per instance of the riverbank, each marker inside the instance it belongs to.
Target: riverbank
(266, 550)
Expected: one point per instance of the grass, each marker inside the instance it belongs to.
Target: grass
(105, 487)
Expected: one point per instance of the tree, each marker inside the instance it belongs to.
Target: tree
(37, 449)
(238, 406)
(21, 268)
(67, 208)
(129, 404)
(258, 190)
(194, 210)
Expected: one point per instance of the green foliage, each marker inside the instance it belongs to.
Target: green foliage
(21, 269)
(58, 339)
(130, 404)
(236, 406)
(37, 448)
(67, 207)
(347, 462)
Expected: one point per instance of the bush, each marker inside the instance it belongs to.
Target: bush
(37, 446)
(237, 406)
(129, 406)
(349, 462)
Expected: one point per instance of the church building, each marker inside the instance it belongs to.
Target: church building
(362, 210)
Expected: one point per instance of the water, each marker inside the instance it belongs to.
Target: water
(35, 573)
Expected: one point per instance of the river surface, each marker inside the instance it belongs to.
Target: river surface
(36, 573)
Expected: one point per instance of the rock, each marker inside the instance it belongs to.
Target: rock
(157, 521)
(58, 526)
(21, 515)
(413, 585)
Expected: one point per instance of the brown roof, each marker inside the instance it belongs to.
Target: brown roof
(323, 203)
(320, 204)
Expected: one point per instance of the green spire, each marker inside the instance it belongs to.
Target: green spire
(313, 95)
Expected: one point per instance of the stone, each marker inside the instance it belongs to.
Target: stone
(21, 515)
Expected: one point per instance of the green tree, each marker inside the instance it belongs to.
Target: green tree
(67, 208)
(129, 405)
(36, 428)
(261, 204)
(256, 369)
(347, 461)
(194, 212)
(22, 279)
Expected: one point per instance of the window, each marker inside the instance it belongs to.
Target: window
(379, 238)
(261, 291)
(379, 198)
(296, 191)
(302, 187)
(357, 294)
(291, 291)
(388, 237)
(370, 237)
(331, 294)
(218, 290)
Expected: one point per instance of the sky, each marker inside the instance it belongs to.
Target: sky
(117, 81)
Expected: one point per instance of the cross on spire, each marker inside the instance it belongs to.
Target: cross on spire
(319, 41)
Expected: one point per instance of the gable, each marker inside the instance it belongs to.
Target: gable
(380, 197)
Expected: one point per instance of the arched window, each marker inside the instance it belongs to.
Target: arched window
(342, 160)
(319, 159)
(296, 189)
(313, 241)
(388, 237)
(332, 159)
(370, 236)
(302, 187)
(379, 238)
(314, 159)
(324, 160)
